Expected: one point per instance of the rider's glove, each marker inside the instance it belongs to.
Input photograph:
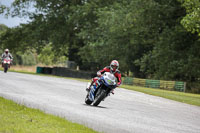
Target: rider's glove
(98, 74)
(118, 84)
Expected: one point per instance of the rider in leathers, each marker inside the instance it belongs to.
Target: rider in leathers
(5, 55)
(113, 68)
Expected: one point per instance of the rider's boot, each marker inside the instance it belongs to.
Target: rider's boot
(88, 86)
(112, 91)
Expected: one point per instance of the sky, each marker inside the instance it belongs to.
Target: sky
(10, 22)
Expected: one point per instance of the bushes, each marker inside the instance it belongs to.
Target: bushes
(45, 57)
(193, 87)
(26, 59)
(48, 57)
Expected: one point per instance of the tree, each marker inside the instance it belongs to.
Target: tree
(3, 28)
(50, 22)
(192, 19)
(57, 22)
(150, 38)
(48, 57)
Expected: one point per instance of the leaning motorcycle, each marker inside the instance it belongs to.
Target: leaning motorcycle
(6, 64)
(101, 89)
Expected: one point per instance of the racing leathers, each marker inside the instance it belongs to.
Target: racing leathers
(6, 55)
(117, 74)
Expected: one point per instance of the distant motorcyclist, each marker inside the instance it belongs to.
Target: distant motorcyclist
(113, 68)
(5, 55)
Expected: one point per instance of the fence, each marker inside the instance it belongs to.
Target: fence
(65, 72)
(168, 85)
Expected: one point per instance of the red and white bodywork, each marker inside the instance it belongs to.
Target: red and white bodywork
(6, 64)
(7, 61)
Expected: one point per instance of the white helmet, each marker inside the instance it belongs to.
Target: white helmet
(114, 65)
(6, 50)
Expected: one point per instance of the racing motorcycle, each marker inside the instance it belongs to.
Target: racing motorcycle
(6, 64)
(100, 89)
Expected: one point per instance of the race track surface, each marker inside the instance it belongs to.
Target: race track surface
(125, 112)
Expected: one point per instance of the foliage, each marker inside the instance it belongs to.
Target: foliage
(173, 59)
(2, 8)
(3, 28)
(48, 57)
(150, 38)
(27, 59)
(192, 19)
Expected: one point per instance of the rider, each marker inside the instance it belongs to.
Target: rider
(113, 68)
(5, 55)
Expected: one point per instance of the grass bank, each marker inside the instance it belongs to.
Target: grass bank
(189, 98)
(24, 68)
(15, 118)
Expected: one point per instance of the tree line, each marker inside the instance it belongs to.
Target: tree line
(158, 39)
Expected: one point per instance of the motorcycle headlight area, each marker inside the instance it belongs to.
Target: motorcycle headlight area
(108, 81)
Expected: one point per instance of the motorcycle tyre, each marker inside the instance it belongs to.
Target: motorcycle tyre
(99, 97)
(87, 100)
(5, 68)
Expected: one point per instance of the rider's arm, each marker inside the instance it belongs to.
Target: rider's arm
(100, 72)
(2, 56)
(11, 57)
(118, 75)
(106, 69)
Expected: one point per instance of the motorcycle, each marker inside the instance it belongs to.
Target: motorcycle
(100, 89)
(6, 64)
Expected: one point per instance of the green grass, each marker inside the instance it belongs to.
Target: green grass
(15, 118)
(188, 98)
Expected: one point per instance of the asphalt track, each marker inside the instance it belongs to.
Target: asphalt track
(125, 112)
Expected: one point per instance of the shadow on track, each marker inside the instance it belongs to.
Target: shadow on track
(95, 106)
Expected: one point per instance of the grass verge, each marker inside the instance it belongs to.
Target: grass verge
(15, 118)
(189, 98)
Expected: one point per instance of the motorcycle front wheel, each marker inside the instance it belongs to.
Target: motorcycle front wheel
(5, 68)
(101, 94)
(87, 100)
